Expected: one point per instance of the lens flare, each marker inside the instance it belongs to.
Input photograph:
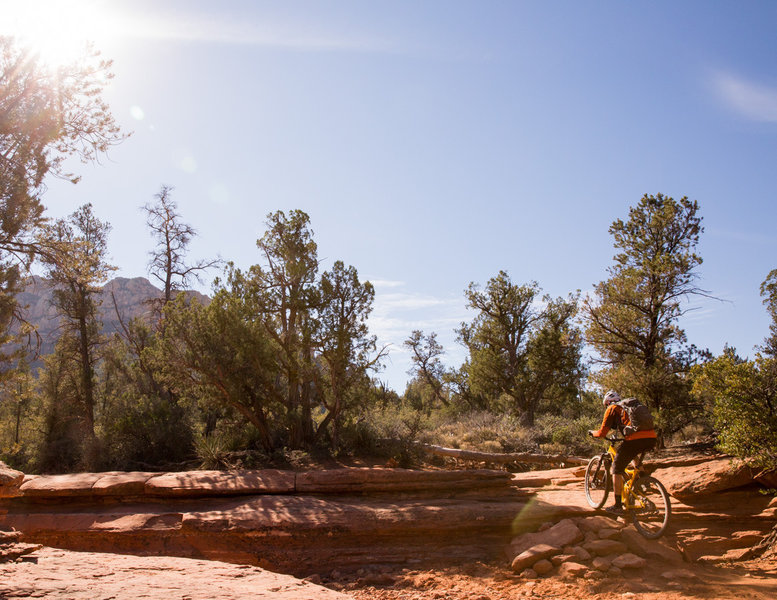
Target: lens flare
(56, 31)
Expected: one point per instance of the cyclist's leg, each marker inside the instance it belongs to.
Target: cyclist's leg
(618, 470)
(626, 452)
(629, 450)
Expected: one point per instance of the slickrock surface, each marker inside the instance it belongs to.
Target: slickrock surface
(60, 574)
(298, 523)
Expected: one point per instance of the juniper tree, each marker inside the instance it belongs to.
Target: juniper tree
(633, 317)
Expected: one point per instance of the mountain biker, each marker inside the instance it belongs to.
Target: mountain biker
(636, 442)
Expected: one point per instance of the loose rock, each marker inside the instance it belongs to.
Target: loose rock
(561, 534)
(605, 547)
(536, 553)
(543, 567)
(581, 553)
(572, 569)
(608, 533)
(629, 561)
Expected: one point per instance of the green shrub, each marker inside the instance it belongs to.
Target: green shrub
(561, 435)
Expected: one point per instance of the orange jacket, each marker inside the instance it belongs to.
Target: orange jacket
(616, 418)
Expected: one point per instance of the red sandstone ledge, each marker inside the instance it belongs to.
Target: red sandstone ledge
(191, 484)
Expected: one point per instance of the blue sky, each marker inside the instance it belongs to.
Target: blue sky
(435, 143)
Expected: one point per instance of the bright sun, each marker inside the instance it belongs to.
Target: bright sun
(56, 30)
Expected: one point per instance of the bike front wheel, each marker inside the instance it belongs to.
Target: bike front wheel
(650, 507)
(597, 482)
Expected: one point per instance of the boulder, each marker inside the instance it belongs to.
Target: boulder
(572, 569)
(605, 547)
(543, 567)
(561, 558)
(600, 563)
(563, 533)
(715, 475)
(609, 533)
(696, 546)
(653, 549)
(629, 561)
(598, 523)
(10, 481)
(581, 553)
(532, 555)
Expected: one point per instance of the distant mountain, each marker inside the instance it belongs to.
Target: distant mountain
(132, 298)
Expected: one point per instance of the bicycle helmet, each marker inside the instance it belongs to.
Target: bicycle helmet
(611, 397)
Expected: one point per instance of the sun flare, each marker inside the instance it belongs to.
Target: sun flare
(57, 31)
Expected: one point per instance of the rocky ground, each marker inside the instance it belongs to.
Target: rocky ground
(66, 575)
(388, 534)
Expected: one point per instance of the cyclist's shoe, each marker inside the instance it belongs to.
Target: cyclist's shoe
(617, 511)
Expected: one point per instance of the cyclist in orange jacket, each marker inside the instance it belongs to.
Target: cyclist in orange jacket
(636, 442)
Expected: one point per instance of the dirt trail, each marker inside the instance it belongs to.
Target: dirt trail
(752, 581)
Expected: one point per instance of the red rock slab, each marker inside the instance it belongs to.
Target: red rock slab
(35, 523)
(284, 515)
(540, 479)
(221, 483)
(60, 575)
(716, 475)
(73, 484)
(122, 484)
(352, 480)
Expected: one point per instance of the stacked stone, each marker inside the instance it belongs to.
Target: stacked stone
(589, 547)
(11, 550)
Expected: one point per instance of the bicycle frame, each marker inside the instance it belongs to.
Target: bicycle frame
(643, 497)
(632, 473)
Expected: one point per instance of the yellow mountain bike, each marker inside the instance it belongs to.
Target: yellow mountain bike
(644, 498)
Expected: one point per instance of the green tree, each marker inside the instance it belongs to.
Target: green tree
(144, 424)
(46, 115)
(743, 397)
(20, 418)
(288, 352)
(743, 394)
(769, 294)
(286, 295)
(75, 262)
(220, 355)
(632, 319)
(427, 369)
(522, 352)
(346, 351)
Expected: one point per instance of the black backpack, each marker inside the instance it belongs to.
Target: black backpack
(639, 415)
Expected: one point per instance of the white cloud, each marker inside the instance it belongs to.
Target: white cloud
(397, 313)
(386, 283)
(753, 100)
(238, 30)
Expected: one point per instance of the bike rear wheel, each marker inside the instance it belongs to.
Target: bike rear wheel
(597, 481)
(650, 507)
